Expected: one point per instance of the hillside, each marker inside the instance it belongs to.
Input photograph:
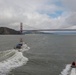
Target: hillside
(5, 30)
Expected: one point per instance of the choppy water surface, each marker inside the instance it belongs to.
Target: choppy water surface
(48, 55)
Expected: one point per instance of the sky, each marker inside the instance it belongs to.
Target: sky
(38, 14)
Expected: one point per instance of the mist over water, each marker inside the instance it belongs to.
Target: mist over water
(48, 55)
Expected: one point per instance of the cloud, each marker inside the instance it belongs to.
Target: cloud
(12, 12)
(70, 8)
(37, 13)
(69, 4)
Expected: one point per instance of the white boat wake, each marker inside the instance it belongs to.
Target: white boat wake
(73, 71)
(68, 70)
(11, 59)
(24, 48)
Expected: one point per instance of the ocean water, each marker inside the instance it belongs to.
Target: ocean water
(49, 54)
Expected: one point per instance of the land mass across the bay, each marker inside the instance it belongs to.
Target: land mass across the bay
(8, 31)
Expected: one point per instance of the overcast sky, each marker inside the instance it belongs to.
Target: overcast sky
(51, 14)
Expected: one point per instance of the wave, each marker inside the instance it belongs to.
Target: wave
(68, 70)
(11, 59)
(73, 71)
(24, 48)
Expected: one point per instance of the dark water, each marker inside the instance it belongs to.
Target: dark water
(48, 54)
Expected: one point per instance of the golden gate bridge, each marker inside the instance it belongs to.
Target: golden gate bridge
(36, 30)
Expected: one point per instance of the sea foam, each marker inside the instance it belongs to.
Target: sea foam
(11, 59)
(68, 70)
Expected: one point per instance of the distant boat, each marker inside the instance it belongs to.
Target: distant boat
(21, 46)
